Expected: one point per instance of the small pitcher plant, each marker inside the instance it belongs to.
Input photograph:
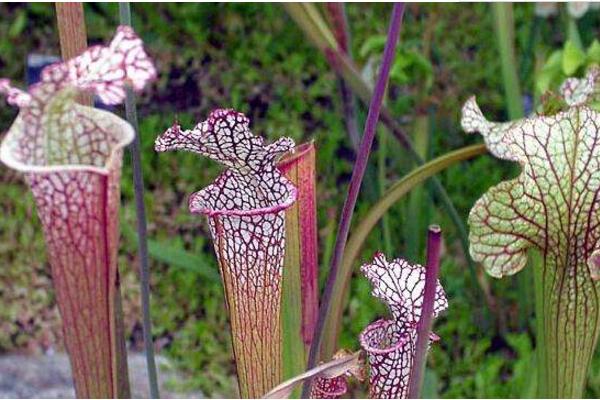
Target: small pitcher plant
(551, 209)
(71, 157)
(391, 344)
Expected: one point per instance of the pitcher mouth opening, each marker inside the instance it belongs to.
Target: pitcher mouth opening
(126, 137)
(373, 346)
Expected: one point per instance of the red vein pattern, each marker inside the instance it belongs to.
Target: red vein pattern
(329, 388)
(246, 213)
(71, 156)
(552, 206)
(390, 344)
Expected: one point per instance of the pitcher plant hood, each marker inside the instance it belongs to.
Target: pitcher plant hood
(552, 204)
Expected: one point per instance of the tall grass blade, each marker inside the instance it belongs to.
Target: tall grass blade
(504, 25)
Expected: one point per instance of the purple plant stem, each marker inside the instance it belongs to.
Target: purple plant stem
(434, 236)
(355, 183)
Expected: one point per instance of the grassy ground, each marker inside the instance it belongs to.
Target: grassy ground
(253, 58)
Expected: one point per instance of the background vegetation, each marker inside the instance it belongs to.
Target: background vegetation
(253, 58)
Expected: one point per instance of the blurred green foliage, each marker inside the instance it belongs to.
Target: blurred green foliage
(569, 61)
(251, 57)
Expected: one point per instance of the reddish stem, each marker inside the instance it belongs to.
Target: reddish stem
(72, 36)
(71, 29)
(424, 326)
(355, 182)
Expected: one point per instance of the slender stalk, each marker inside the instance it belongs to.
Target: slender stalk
(503, 17)
(434, 236)
(418, 202)
(121, 374)
(339, 21)
(381, 177)
(356, 180)
(71, 29)
(72, 36)
(138, 185)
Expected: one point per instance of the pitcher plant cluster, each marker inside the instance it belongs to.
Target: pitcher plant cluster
(261, 214)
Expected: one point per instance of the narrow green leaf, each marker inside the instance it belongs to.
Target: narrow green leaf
(17, 26)
(180, 258)
(572, 58)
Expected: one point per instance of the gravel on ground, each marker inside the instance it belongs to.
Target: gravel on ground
(49, 376)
